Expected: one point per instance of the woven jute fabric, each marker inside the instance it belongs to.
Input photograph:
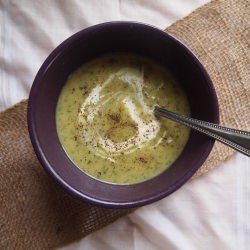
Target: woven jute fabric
(36, 214)
(219, 34)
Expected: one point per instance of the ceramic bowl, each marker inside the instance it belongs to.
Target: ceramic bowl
(92, 42)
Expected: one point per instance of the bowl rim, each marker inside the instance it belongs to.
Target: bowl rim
(38, 149)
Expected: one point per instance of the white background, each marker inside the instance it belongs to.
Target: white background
(211, 212)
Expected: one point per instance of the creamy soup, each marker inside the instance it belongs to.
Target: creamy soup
(106, 124)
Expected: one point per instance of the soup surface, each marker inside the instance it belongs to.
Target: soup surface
(105, 118)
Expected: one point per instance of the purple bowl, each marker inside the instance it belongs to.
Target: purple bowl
(104, 38)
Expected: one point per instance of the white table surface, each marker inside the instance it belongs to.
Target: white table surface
(211, 212)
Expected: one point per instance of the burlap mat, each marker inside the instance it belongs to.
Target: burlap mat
(36, 214)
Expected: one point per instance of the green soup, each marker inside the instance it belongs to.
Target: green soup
(106, 124)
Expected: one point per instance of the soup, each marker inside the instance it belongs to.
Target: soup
(105, 118)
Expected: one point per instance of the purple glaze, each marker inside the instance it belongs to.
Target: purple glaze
(107, 38)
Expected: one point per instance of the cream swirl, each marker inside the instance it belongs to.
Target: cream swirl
(146, 130)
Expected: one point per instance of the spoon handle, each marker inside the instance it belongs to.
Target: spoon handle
(236, 139)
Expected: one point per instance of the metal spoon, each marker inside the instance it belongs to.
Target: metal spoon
(236, 139)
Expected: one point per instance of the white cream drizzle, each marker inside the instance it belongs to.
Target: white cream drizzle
(95, 100)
